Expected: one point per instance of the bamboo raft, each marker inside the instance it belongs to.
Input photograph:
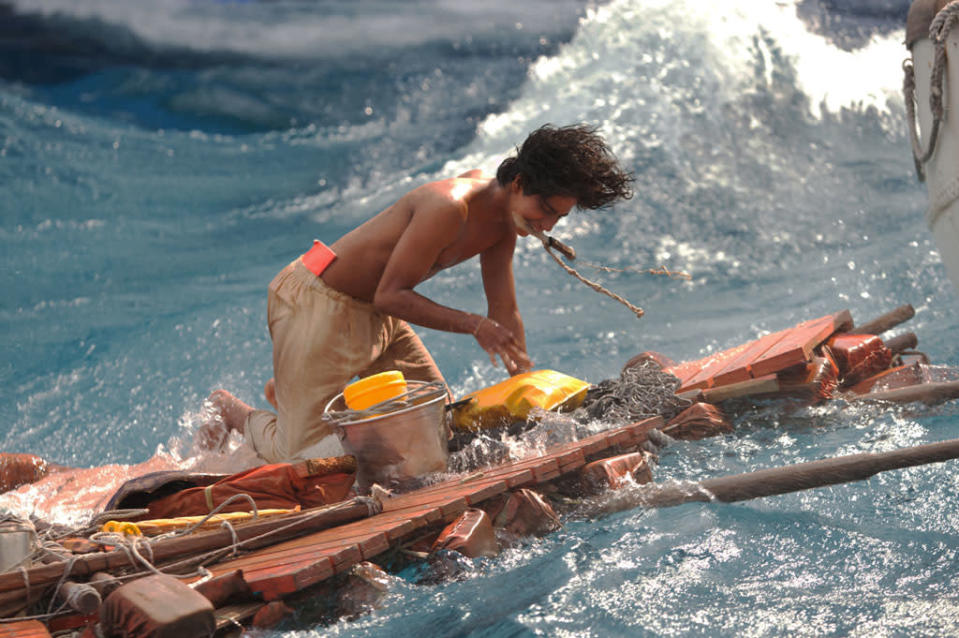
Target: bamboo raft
(279, 558)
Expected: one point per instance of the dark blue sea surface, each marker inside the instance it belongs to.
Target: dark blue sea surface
(161, 161)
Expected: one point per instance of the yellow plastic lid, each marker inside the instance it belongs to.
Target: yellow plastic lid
(371, 390)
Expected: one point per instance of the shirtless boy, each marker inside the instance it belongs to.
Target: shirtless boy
(351, 317)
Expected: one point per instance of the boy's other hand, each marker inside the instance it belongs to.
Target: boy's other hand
(497, 340)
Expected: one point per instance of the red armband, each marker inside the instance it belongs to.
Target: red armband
(316, 259)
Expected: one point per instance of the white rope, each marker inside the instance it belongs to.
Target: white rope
(236, 539)
(121, 541)
(939, 30)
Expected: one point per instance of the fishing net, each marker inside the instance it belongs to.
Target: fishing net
(641, 391)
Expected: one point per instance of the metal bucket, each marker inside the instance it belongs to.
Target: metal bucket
(398, 440)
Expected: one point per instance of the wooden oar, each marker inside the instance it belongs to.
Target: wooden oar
(781, 480)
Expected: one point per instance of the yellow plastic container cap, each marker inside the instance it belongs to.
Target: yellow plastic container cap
(513, 399)
(374, 389)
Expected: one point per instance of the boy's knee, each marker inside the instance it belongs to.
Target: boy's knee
(269, 391)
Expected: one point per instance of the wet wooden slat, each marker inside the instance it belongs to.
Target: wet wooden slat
(799, 346)
(291, 566)
(24, 629)
(711, 366)
(767, 355)
(738, 370)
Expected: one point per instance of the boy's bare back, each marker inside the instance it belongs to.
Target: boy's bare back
(433, 227)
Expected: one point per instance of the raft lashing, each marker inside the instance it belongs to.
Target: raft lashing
(251, 570)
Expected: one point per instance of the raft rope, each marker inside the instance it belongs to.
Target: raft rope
(129, 546)
(939, 30)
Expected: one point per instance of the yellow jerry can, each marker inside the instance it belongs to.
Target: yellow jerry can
(512, 400)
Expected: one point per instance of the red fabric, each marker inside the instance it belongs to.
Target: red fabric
(316, 259)
(270, 486)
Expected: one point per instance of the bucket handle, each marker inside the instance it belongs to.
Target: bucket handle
(373, 410)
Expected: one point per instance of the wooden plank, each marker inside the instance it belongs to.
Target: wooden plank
(685, 371)
(572, 460)
(254, 564)
(771, 353)
(24, 629)
(367, 545)
(298, 563)
(798, 348)
(481, 492)
(737, 370)
(276, 586)
(523, 479)
(763, 385)
(233, 615)
(546, 471)
(712, 365)
(302, 575)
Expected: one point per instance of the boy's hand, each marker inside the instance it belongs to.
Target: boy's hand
(497, 340)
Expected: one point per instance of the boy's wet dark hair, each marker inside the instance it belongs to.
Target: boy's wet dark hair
(572, 161)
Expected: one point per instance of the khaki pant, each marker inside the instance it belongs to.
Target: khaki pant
(322, 338)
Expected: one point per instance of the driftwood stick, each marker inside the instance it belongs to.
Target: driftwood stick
(925, 392)
(780, 480)
(884, 322)
(900, 343)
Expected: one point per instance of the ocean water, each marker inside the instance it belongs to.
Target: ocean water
(160, 161)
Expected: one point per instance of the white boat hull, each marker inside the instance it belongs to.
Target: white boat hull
(942, 169)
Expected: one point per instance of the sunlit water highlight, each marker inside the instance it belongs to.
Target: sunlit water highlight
(153, 185)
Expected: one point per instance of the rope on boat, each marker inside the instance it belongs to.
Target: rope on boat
(662, 270)
(129, 546)
(56, 590)
(939, 30)
(373, 507)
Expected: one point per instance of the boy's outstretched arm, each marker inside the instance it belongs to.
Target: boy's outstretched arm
(502, 309)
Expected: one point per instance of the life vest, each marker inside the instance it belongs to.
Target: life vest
(306, 484)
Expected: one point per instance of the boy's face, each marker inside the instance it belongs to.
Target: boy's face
(533, 214)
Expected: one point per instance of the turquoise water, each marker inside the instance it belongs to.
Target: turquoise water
(160, 162)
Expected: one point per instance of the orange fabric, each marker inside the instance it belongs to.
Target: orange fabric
(859, 356)
(281, 485)
(20, 469)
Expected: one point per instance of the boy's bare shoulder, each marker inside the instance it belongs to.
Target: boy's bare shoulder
(448, 194)
(476, 173)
